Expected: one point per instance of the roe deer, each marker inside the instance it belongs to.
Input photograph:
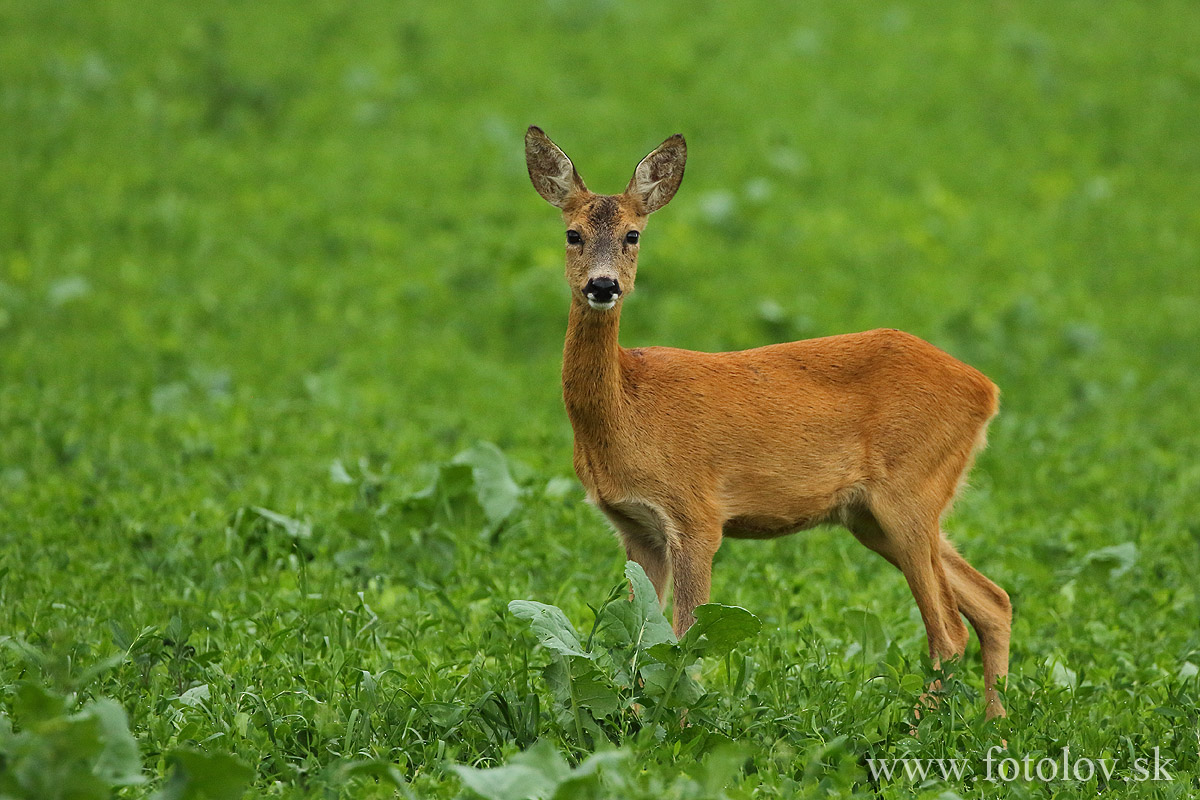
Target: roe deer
(873, 430)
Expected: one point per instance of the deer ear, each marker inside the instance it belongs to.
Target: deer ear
(658, 176)
(552, 173)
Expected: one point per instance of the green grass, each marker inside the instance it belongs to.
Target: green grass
(266, 268)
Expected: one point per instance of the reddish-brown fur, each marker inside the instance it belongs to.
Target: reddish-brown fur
(874, 430)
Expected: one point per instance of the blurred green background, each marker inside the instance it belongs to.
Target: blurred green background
(241, 241)
(329, 201)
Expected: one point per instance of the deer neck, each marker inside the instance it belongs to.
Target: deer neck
(593, 388)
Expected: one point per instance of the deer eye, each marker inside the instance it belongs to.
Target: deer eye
(573, 237)
(632, 237)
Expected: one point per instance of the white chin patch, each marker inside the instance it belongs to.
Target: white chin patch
(605, 306)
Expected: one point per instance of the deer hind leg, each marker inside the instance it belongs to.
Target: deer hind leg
(983, 603)
(911, 542)
(987, 607)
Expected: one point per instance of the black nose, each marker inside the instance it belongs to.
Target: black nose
(601, 289)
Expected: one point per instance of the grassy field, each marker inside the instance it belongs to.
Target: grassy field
(281, 433)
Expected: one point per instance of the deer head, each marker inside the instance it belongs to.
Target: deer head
(603, 231)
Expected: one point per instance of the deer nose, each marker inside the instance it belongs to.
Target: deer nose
(602, 290)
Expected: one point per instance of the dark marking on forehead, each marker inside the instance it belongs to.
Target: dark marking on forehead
(602, 213)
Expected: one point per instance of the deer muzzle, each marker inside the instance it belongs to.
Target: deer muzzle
(602, 292)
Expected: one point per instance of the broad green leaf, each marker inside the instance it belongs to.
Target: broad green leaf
(718, 629)
(1117, 559)
(669, 654)
(599, 761)
(35, 703)
(118, 763)
(721, 767)
(584, 780)
(550, 625)
(26, 652)
(541, 772)
(449, 482)
(509, 782)
(81, 756)
(203, 776)
(535, 773)
(546, 759)
(497, 492)
(577, 681)
(376, 768)
(196, 697)
(645, 599)
(653, 624)
(657, 683)
(638, 622)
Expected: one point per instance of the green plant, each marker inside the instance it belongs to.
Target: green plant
(62, 755)
(631, 673)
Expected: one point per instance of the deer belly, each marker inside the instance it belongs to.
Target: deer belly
(764, 504)
(766, 527)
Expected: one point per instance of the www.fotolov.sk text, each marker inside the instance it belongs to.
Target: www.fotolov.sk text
(998, 767)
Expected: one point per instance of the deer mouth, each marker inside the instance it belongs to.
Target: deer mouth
(604, 305)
